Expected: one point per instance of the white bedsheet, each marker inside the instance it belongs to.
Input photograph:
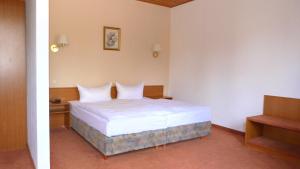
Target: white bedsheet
(117, 117)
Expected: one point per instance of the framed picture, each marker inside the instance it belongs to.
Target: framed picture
(111, 38)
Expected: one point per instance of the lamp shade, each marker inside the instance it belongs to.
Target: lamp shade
(156, 48)
(62, 40)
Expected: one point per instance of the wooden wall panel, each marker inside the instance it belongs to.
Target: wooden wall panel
(71, 93)
(12, 75)
(283, 135)
(288, 108)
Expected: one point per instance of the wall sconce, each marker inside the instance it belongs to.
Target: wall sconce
(156, 50)
(62, 41)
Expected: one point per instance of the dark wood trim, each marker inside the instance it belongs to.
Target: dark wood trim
(228, 130)
(167, 3)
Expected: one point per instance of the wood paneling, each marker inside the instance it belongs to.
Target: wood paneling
(253, 130)
(58, 120)
(283, 135)
(12, 75)
(277, 131)
(167, 3)
(71, 93)
(59, 115)
(276, 122)
(287, 108)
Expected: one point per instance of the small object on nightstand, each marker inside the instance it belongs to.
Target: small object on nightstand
(168, 97)
(59, 115)
(55, 100)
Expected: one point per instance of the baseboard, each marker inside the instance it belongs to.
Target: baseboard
(229, 130)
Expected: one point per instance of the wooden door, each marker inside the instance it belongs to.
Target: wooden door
(12, 75)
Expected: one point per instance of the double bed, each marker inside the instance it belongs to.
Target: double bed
(119, 126)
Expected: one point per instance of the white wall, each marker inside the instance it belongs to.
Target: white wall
(228, 54)
(84, 61)
(37, 24)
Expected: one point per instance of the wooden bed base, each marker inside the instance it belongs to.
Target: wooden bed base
(110, 146)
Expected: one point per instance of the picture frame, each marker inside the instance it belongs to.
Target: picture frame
(111, 38)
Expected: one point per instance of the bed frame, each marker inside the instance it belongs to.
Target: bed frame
(109, 146)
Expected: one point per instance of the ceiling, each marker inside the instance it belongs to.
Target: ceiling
(167, 3)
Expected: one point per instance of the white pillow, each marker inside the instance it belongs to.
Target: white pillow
(130, 92)
(95, 94)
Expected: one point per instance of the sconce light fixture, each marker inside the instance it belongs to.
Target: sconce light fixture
(156, 50)
(62, 41)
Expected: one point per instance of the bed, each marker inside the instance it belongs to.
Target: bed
(120, 126)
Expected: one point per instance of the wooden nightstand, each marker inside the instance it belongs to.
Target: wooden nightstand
(59, 115)
(168, 97)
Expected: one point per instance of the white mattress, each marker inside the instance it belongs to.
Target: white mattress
(118, 117)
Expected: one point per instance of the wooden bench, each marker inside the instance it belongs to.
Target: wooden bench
(277, 131)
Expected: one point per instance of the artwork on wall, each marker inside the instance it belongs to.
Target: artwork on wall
(111, 38)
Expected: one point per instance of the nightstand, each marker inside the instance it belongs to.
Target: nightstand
(167, 97)
(59, 115)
